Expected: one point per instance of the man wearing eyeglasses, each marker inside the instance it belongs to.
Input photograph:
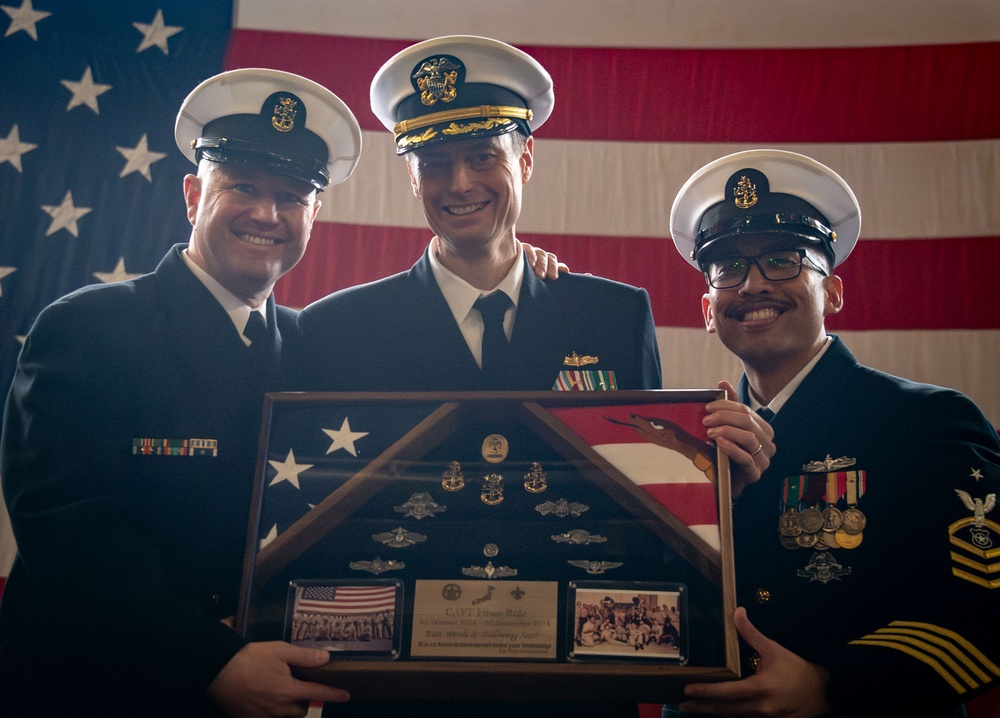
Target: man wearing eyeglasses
(868, 553)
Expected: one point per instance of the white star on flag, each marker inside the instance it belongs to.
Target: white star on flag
(288, 470)
(64, 216)
(271, 535)
(117, 275)
(24, 18)
(4, 271)
(139, 158)
(344, 438)
(11, 148)
(85, 92)
(155, 33)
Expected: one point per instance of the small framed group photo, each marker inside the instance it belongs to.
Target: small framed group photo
(347, 618)
(627, 621)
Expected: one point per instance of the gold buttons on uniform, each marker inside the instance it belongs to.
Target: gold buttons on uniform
(754, 661)
(763, 595)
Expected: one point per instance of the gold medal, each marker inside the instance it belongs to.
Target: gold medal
(811, 520)
(854, 521)
(495, 448)
(848, 541)
(788, 524)
(789, 542)
(806, 540)
(832, 518)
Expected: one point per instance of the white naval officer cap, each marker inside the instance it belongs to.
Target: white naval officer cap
(460, 87)
(277, 120)
(764, 192)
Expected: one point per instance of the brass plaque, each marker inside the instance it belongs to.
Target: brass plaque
(505, 620)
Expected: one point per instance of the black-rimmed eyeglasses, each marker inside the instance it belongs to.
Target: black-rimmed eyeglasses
(777, 266)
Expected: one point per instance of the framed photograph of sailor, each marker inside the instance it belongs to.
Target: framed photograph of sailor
(491, 510)
(347, 618)
(621, 621)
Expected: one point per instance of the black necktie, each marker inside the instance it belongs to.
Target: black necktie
(256, 332)
(766, 414)
(495, 346)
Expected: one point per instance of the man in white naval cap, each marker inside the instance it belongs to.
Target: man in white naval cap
(130, 434)
(865, 562)
(469, 315)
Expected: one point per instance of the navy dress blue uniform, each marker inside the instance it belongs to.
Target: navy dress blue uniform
(130, 435)
(398, 334)
(906, 622)
(128, 560)
(451, 101)
(871, 544)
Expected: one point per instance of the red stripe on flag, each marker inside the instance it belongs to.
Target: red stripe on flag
(890, 284)
(692, 504)
(698, 95)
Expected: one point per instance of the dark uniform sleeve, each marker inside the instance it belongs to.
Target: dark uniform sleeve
(649, 363)
(938, 643)
(89, 571)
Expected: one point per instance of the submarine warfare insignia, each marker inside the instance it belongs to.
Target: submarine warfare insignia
(829, 464)
(595, 567)
(536, 480)
(420, 505)
(377, 565)
(454, 479)
(575, 359)
(489, 571)
(398, 538)
(562, 508)
(578, 537)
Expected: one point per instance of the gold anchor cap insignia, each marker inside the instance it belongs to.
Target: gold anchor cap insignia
(283, 119)
(745, 193)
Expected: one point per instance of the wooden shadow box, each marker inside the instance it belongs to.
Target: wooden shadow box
(551, 545)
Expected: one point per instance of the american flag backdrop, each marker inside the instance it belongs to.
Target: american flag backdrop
(900, 98)
(346, 599)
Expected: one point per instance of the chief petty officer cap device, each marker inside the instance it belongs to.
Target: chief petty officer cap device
(276, 120)
(764, 192)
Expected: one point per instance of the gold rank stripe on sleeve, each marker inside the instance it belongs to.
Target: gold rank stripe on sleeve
(963, 666)
(975, 556)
